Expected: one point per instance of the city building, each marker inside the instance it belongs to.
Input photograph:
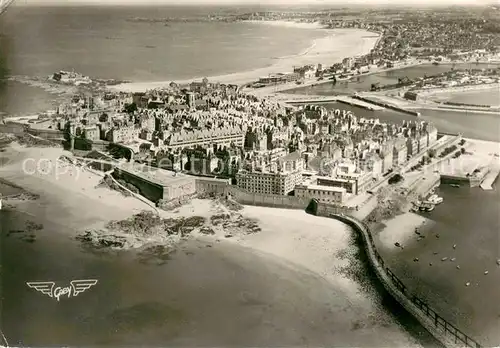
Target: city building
(362, 180)
(400, 152)
(281, 179)
(91, 133)
(324, 194)
(123, 134)
(348, 184)
(411, 146)
(156, 184)
(220, 137)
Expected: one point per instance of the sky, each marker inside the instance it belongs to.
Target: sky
(252, 2)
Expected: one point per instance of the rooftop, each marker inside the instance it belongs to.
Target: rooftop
(293, 156)
(326, 188)
(155, 175)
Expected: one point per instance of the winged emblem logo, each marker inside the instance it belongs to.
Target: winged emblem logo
(49, 288)
(4, 4)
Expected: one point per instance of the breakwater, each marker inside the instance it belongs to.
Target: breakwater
(441, 329)
(467, 104)
(489, 179)
(438, 90)
(387, 106)
(359, 103)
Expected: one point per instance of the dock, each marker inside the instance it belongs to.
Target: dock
(489, 179)
(359, 103)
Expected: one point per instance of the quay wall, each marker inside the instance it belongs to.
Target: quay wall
(267, 200)
(19, 129)
(387, 106)
(423, 188)
(324, 209)
(222, 187)
(219, 187)
(454, 179)
(472, 181)
(48, 134)
(440, 134)
(442, 330)
(13, 128)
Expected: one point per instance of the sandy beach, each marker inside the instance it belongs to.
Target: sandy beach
(336, 45)
(38, 170)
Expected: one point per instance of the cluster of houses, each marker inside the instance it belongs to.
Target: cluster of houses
(262, 146)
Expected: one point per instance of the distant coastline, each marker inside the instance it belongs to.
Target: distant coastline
(336, 45)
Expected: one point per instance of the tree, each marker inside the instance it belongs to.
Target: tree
(103, 117)
(130, 108)
(432, 153)
(67, 131)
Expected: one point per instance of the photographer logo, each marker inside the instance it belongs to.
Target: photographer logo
(76, 287)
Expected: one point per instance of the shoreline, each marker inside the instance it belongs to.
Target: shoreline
(285, 235)
(330, 49)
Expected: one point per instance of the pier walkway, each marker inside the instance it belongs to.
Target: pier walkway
(359, 103)
(304, 98)
(489, 179)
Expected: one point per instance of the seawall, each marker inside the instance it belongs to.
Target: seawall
(443, 331)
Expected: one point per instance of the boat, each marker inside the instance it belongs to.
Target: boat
(455, 185)
(415, 207)
(438, 200)
(427, 206)
(435, 199)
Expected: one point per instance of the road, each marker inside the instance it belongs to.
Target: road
(438, 146)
